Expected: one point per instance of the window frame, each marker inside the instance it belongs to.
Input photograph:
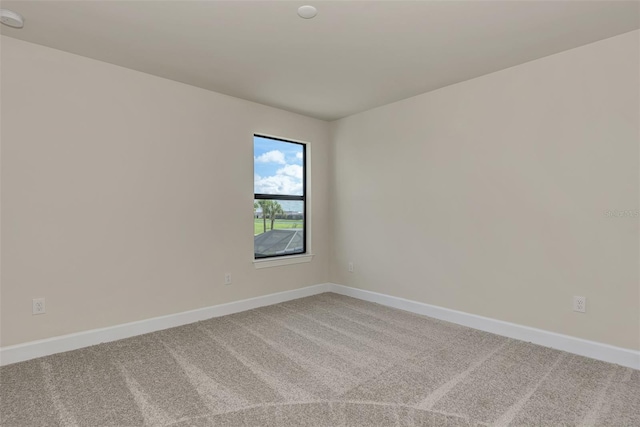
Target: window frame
(287, 197)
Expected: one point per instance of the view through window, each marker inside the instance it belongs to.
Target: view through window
(279, 188)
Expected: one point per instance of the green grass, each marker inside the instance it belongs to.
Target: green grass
(258, 227)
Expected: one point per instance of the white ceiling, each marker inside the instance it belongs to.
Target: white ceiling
(355, 55)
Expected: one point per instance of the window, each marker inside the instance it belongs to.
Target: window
(279, 187)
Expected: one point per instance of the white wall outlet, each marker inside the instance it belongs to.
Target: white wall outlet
(227, 278)
(38, 306)
(350, 266)
(580, 304)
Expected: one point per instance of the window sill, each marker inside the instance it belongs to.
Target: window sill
(285, 260)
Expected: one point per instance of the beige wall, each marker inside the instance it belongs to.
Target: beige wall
(489, 196)
(126, 196)
(123, 194)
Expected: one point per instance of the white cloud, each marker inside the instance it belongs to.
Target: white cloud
(273, 156)
(278, 184)
(293, 171)
(299, 156)
(287, 180)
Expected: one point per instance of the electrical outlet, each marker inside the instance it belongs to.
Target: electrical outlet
(227, 278)
(350, 266)
(580, 304)
(38, 306)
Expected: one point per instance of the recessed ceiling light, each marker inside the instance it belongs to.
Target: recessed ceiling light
(307, 12)
(11, 18)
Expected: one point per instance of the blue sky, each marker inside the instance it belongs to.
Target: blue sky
(278, 169)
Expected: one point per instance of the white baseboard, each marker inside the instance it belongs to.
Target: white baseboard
(45, 347)
(592, 349)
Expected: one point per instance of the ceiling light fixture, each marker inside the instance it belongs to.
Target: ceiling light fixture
(11, 18)
(307, 12)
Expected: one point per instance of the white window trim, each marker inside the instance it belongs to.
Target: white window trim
(308, 255)
(280, 261)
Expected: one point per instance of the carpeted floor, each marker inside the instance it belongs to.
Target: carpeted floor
(326, 360)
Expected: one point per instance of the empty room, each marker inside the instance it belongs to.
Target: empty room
(328, 213)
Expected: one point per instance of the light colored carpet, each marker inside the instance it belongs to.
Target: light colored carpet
(326, 360)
